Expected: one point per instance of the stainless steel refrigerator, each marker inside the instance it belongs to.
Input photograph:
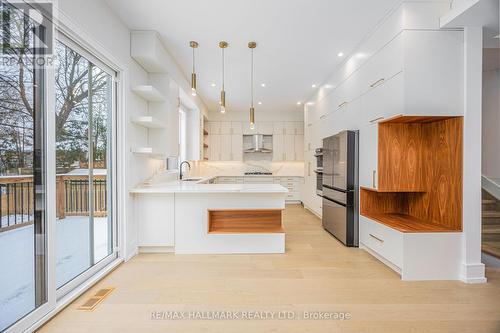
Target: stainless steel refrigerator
(340, 186)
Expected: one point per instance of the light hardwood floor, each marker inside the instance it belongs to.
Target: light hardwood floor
(317, 273)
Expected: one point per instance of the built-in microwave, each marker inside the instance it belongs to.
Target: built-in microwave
(319, 171)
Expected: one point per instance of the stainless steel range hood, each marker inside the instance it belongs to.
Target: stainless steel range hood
(258, 145)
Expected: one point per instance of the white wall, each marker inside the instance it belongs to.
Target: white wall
(491, 114)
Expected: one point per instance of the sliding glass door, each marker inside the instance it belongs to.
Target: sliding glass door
(84, 111)
(23, 225)
(57, 116)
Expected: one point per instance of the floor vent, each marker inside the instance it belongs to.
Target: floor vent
(93, 301)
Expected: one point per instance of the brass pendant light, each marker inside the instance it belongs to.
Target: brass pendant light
(223, 45)
(252, 46)
(193, 45)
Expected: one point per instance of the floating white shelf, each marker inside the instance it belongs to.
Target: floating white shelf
(148, 121)
(148, 151)
(149, 93)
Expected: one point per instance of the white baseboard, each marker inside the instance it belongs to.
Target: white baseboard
(156, 249)
(473, 273)
(490, 186)
(312, 211)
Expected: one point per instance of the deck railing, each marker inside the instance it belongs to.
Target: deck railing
(72, 194)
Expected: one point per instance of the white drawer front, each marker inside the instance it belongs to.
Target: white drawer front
(386, 242)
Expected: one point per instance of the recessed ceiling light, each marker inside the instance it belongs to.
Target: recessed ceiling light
(260, 103)
(213, 84)
(314, 86)
(299, 103)
(262, 84)
(340, 54)
(310, 103)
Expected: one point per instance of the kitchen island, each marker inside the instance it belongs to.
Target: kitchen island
(198, 218)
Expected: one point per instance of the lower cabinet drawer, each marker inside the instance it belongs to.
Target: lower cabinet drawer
(386, 242)
(292, 196)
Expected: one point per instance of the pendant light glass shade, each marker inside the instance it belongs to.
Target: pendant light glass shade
(223, 45)
(193, 45)
(252, 46)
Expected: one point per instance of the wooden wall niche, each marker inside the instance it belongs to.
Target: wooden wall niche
(244, 221)
(419, 175)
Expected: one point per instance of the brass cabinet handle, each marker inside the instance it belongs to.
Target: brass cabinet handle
(376, 83)
(380, 240)
(342, 104)
(374, 174)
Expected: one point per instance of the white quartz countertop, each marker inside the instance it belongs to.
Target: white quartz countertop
(178, 186)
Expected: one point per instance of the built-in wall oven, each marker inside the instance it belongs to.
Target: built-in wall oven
(340, 186)
(319, 171)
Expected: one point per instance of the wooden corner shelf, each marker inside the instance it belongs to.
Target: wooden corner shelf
(407, 223)
(419, 175)
(244, 221)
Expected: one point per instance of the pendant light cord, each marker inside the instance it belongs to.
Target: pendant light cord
(222, 68)
(251, 80)
(193, 60)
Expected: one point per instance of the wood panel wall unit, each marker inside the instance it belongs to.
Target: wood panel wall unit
(420, 175)
(222, 221)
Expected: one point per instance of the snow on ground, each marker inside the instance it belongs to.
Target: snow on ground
(17, 294)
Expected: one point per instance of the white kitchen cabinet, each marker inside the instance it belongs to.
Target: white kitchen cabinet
(225, 147)
(214, 147)
(289, 147)
(225, 127)
(214, 127)
(258, 180)
(368, 155)
(154, 215)
(236, 127)
(415, 256)
(278, 147)
(299, 147)
(289, 127)
(279, 127)
(236, 147)
(265, 127)
(299, 128)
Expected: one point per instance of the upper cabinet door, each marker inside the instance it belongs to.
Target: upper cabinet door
(225, 127)
(214, 127)
(214, 147)
(290, 127)
(236, 127)
(225, 147)
(289, 147)
(278, 127)
(299, 147)
(278, 149)
(299, 128)
(266, 127)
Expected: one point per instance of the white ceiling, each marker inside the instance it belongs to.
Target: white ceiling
(298, 42)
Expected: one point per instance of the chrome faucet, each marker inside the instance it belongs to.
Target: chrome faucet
(180, 168)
